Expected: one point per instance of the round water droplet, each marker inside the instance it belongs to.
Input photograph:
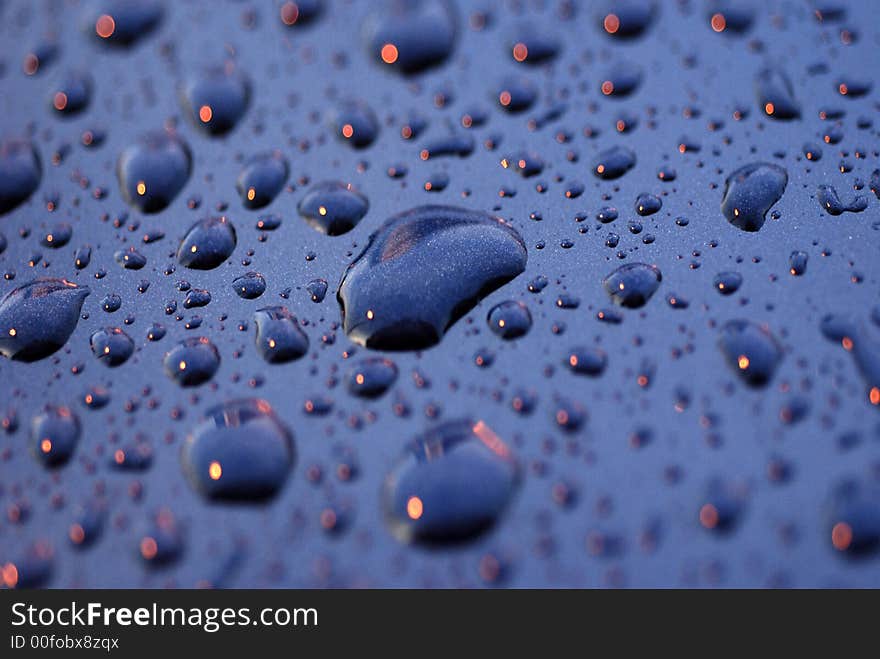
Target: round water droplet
(71, 93)
(262, 178)
(750, 192)
(216, 98)
(356, 124)
(279, 338)
(371, 377)
(614, 162)
(413, 35)
(192, 362)
(452, 484)
(626, 19)
(509, 319)
(776, 95)
(36, 319)
(586, 361)
(333, 208)
(750, 350)
(242, 451)
(54, 435)
(20, 172)
(516, 94)
(727, 283)
(633, 284)
(111, 345)
(853, 526)
(207, 244)
(249, 286)
(421, 271)
(123, 22)
(153, 170)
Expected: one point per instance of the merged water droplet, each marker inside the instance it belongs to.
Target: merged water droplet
(411, 36)
(153, 170)
(36, 319)
(750, 350)
(421, 271)
(207, 244)
(54, 435)
(20, 172)
(452, 484)
(192, 362)
(262, 178)
(241, 452)
(750, 192)
(371, 377)
(279, 339)
(828, 199)
(633, 284)
(333, 208)
(216, 98)
(111, 345)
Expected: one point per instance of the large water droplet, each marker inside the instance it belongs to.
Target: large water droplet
(421, 271)
(242, 451)
(333, 208)
(153, 170)
(36, 319)
(451, 484)
(750, 192)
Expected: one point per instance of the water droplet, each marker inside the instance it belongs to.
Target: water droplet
(123, 22)
(828, 199)
(614, 162)
(153, 170)
(20, 172)
(71, 93)
(241, 452)
(111, 345)
(626, 19)
(509, 319)
(516, 94)
(586, 361)
(452, 484)
(371, 377)
(412, 36)
(261, 179)
(36, 319)
(854, 519)
(216, 98)
(279, 338)
(633, 284)
(776, 95)
(797, 263)
(192, 362)
(750, 192)
(207, 244)
(355, 123)
(54, 435)
(727, 283)
(249, 286)
(421, 271)
(333, 208)
(751, 351)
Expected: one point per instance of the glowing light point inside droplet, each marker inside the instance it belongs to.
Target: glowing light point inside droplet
(205, 113)
(389, 53)
(414, 507)
(105, 26)
(141, 188)
(215, 471)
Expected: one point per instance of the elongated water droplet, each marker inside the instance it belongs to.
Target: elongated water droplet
(750, 192)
